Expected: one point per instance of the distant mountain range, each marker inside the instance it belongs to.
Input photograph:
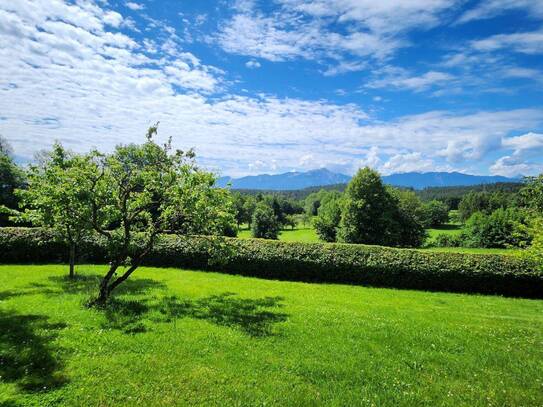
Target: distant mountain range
(286, 181)
(421, 180)
(298, 180)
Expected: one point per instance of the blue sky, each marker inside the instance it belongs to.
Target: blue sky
(281, 85)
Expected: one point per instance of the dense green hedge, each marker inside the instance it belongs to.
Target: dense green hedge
(314, 262)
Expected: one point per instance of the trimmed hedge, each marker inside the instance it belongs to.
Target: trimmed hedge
(312, 262)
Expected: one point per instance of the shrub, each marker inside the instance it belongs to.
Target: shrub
(535, 251)
(327, 221)
(313, 262)
(502, 228)
(264, 223)
(436, 213)
(447, 240)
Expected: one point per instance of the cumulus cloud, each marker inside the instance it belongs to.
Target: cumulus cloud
(252, 64)
(407, 162)
(525, 150)
(511, 166)
(134, 6)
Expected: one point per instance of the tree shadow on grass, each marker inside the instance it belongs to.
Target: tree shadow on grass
(35, 288)
(27, 356)
(90, 283)
(125, 315)
(251, 316)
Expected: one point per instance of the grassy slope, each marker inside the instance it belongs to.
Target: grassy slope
(307, 344)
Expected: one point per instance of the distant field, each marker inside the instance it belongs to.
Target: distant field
(447, 229)
(177, 338)
(301, 234)
(308, 235)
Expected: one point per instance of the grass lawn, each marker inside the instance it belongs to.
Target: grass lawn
(300, 234)
(452, 229)
(179, 337)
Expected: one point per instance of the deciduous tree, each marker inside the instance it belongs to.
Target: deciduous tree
(264, 224)
(141, 191)
(57, 197)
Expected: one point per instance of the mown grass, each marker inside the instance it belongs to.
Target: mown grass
(299, 234)
(175, 337)
(452, 229)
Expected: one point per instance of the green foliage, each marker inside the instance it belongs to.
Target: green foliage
(532, 194)
(535, 251)
(375, 214)
(11, 178)
(138, 192)
(328, 219)
(436, 213)
(367, 214)
(411, 218)
(264, 224)
(486, 202)
(447, 240)
(290, 221)
(319, 262)
(57, 197)
(314, 200)
(502, 228)
(244, 207)
(452, 196)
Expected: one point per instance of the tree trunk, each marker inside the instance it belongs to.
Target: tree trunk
(72, 260)
(104, 291)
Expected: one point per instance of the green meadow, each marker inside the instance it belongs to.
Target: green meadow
(177, 337)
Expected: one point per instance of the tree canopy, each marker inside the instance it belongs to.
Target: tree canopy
(373, 214)
(57, 197)
(138, 192)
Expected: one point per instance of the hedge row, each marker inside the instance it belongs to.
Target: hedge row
(312, 262)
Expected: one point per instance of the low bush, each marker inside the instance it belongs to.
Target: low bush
(312, 262)
(501, 228)
(446, 240)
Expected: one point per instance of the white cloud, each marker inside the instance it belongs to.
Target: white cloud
(345, 67)
(492, 8)
(408, 162)
(511, 166)
(134, 6)
(67, 73)
(525, 149)
(302, 29)
(252, 64)
(371, 159)
(527, 42)
(415, 83)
